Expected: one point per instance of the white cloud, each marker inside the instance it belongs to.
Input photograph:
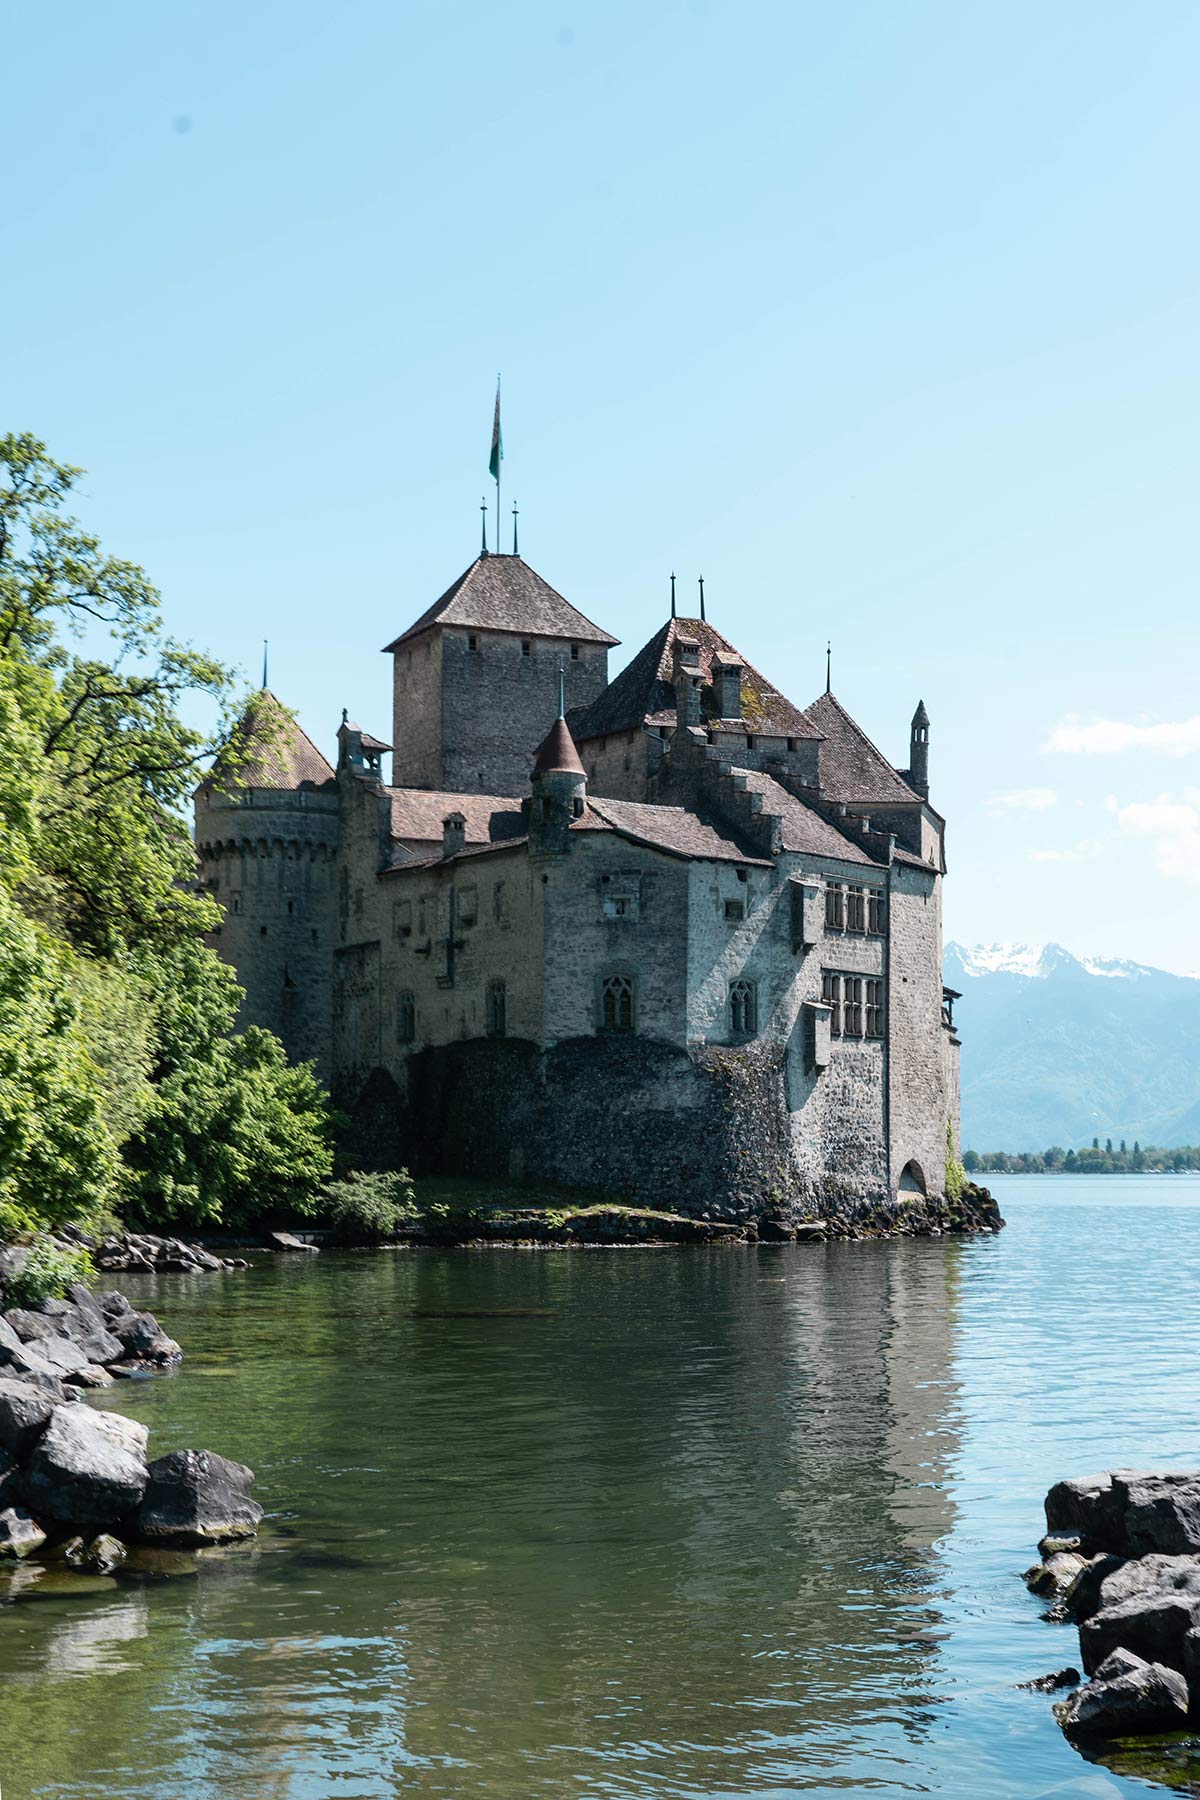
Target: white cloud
(1034, 799)
(1107, 736)
(1172, 829)
(1069, 853)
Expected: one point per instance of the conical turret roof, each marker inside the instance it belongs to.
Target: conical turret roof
(267, 749)
(556, 754)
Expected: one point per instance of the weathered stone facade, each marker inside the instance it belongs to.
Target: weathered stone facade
(689, 955)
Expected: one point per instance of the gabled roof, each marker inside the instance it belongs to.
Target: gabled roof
(804, 830)
(853, 771)
(417, 815)
(502, 593)
(643, 694)
(671, 828)
(267, 749)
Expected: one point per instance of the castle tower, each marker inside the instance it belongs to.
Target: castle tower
(266, 823)
(918, 755)
(470, 678)
(559, 789)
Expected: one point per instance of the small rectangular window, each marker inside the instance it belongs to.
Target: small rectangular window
(574, 652)
(852, 1006)
(831, 994)
(468, 906)
(749, 740)
(472, 642)
(874, 1009)
(735, 910)
(875, 912)
(834, 909)
(856, 909)
(524, 646)
(793, 744)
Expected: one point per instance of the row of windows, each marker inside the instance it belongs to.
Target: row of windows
(855, 1003)
(618, 1008)
(850, 908)
(526, 646)
(495, 1013)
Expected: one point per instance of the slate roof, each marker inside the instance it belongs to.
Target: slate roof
(803, 829)
(471, 850)
(417, 815)
(670, 828)
(557, 752)
(278, 754)
(502, 593)
(853, 771)
(643, 694)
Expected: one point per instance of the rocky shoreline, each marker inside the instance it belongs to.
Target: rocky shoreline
(1121, 1560)
(78, 1496)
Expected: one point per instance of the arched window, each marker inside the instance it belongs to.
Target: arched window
(618, 995)
(497, 1009)
(743, 1009)
(406, 1019)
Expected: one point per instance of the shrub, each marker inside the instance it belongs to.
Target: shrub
(46, 1273)
(365, 1207)
(955, 1173)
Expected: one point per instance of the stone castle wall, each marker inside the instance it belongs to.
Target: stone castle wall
(919, 1104)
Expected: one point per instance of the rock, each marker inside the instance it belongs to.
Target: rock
(102, 1346)
(1050, 1684)
(141, 1336)
(1153, 1625)
(12, 1484)
(1119, 1662)
(12, 1261)
(1085, 1507)
(19, 1533)
(286, 1240)
(1144, 1573)
(196, 1497)
(114, 1305)
(812, 1231)
(1160, 1512)
(10, 1338)
(149, 1564)
(63, 1354)
(88, 1468)
(87, 1305)
(1145, 1697)
(100, 1557)
(92, 1375)
(1057, 1575)
(30, 1326)
(27, 1364)
(25, 1412)
(1059, 1544)
(1083, 1597)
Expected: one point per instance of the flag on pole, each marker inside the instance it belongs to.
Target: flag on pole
(497, 456)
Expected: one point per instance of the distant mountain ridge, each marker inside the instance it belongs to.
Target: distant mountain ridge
(1058, 1049)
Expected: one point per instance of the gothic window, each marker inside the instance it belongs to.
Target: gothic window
(831, 994)
(874, 1009)
(835, 914)
(406, 1018)
(743, 1008)
(497, 1009)
(856, 909)
(875, 912)
(735, 910)
(852, 1006)
(618, 995)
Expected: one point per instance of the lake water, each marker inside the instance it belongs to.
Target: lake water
(689, 1525)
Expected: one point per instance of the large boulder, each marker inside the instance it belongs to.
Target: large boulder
(1057, 1575)
(24, 1414)
(88, 1468)
(142, 1336)
(12, 1482)
(1152, 1624)
(1144, 1574)
(1159, 1513)
(1078, 1507)
(102, 1346)
(86, 1303)
(287, 1240)
(1126, 1694)
(29, 1325)
(1084, 1596)
(196, 1497)
(26, 1363)
(19, 1534)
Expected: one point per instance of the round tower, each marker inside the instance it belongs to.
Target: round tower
(559, 789)
(266, 829)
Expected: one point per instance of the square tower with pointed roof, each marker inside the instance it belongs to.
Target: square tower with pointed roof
(475, 679)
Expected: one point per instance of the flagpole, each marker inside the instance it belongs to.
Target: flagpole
(499, 460)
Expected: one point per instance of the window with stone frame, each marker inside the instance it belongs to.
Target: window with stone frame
(835, 909)
(743, 1008)
(852, 1005)
(875, 911)
(856, 909)
(874, 1018)
(402, 919)
(497, 1009)
(406, 1018)
(468, 905)
(735, 910)
(618, 1003)
(831, 994)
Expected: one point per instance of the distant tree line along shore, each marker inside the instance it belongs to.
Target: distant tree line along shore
(1100, 1159)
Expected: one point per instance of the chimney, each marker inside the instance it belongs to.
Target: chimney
(454, 833)
(687, 676)
(727, 684)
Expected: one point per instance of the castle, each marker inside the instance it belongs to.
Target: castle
(667, 937)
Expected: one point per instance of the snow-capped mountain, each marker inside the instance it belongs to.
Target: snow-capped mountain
(1058, 1049)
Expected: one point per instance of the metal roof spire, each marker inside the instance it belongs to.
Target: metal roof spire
(514, 528)
(672, 594)
(562, 692)
(828, 665)
(483, 520)
(264, 665)
(702, 599)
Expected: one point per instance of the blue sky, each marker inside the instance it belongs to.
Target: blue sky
(882, 318)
